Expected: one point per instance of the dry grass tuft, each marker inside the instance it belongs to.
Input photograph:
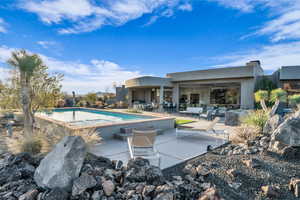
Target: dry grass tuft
(19, 143)
(244, 133)
(52, 134)
(44, 140)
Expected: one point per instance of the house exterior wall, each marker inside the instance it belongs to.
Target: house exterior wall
(246, 76)
(247, 94)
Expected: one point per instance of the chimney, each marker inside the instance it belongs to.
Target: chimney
(253, 63)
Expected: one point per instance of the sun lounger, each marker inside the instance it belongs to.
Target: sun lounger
(198, 128)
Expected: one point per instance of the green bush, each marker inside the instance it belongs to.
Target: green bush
(256, 118)
(295, 100)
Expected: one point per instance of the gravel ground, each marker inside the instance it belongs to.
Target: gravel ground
(272, 170)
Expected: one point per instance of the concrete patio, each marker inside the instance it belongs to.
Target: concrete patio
(171, 149)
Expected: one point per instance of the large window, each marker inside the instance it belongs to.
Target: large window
(224, 96)
(194, 98)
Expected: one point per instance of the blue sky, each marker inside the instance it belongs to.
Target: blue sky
(98, 42)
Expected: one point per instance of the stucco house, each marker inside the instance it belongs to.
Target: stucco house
(227, 86)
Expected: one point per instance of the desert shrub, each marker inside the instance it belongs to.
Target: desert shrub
(52, 134)
(257, 118)
(44, 140)
(244, 133)
(18, 143)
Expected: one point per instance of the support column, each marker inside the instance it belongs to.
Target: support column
(161, 98)
(247, 94)
(175, 95)
(129, 97)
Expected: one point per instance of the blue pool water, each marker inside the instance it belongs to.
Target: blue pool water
(82, 116)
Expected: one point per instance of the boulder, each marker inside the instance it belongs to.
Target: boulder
(82, 183)
(108, 187)
(232, 118)
(294, 186)
(54, 194)
(210, 194)
(288, 133)
(62, 165)
(272, 124)
(251, 163)
(270, 191)
(290, 153)
(30, 195)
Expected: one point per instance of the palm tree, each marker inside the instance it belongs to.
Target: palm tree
(25, 64)
(262, 96)
(277, 96)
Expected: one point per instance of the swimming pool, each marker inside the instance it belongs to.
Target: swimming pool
(83, 116)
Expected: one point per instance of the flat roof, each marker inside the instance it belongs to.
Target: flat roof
(290, 72)
(216, 73)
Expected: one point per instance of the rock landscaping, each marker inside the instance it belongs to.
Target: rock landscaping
(267, 167)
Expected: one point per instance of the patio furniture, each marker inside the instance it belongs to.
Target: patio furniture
(221, 111)
(209, 115)
(198, 128)
(192, 110)
(141, 144)
(128, 132)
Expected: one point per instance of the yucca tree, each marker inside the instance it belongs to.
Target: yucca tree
(295, 100)
(277, 96)
(26, 64)
(261, 96)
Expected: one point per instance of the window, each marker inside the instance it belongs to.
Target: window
(224, 96)
(194, 98)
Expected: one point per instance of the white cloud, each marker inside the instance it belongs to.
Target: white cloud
(88, 15)
(185, 7)
(46, 44)
(271, 56)
(284, 23)
(82, 78)
(3, 26)
(286, 26)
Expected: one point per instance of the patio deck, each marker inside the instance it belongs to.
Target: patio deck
(172, 150)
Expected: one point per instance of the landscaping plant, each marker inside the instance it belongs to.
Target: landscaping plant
(295, 100)
(262, 96)
(257, 118)
(244, 133)
(277, 96)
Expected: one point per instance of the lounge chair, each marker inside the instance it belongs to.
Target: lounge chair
(141, 144)
(198, 128)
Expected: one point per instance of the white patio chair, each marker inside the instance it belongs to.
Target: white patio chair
(141, 144)
(198, 128)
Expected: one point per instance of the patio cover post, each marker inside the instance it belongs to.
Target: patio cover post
(175, 95)
(129, 97)
(161, 97)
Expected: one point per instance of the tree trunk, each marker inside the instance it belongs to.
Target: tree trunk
(274, 108)
(263, 105)
(26, 105)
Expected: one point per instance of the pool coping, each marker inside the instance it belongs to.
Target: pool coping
(157, 117)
